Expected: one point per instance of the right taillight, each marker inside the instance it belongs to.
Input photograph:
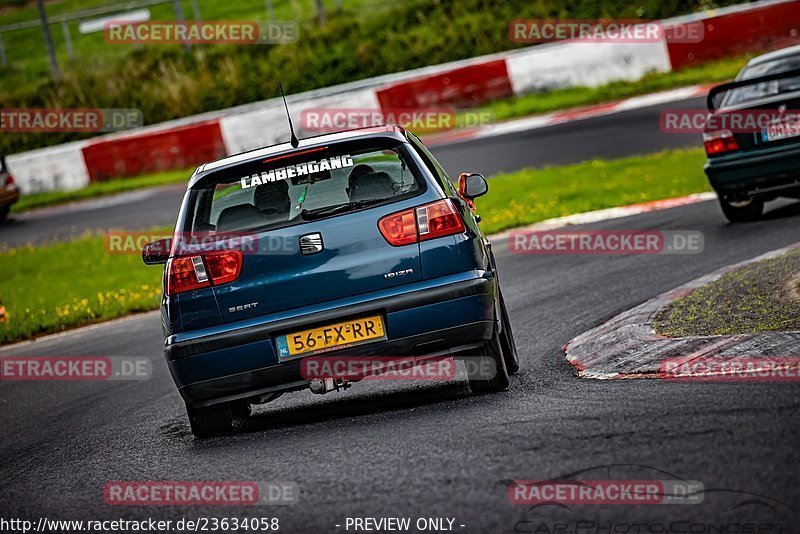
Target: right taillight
(187, 273)
(429, 221)
(719, 142)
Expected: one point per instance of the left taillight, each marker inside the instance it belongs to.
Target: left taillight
(429, 221)
(719, 142)
(188, 273)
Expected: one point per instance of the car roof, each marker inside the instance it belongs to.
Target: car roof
(777, 54)
(390, 130)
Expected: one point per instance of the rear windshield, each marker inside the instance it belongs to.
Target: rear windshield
(306, 185)
(765, 89)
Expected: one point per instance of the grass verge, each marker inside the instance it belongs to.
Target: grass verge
(559, 99)
(64, 285)
(756, 298)
(38, 200)
(529, 196)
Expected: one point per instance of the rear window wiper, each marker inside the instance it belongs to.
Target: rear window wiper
(338, 208)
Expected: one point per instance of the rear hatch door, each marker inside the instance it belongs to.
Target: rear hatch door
(314, 236)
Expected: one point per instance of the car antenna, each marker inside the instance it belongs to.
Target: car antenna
(294, 141)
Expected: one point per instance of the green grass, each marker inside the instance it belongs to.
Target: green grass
(38, 200)
(59, 286)
(755, 298)
(63, 285)
(530, 104)
(529, 196)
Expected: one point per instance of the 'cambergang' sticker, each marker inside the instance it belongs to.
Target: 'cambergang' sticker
(284, 173)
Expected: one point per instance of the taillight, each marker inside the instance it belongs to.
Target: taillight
(9, 180)
(429, 221)
(719, 142)
(188, 273)
(438, 219)
(399, 228)
(224, 267)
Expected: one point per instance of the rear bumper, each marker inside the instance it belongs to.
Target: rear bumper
(768, 173)
(451, 317)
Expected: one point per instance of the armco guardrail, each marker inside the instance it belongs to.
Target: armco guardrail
(193, 140)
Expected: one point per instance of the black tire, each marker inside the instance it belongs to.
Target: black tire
(507, 343)
(743, 211)
(487, 372)
(4, 212)
(210, 421)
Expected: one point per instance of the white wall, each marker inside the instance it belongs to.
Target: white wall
(571, 64)
(58, 168)
(266, 125)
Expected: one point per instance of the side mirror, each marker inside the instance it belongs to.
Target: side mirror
(156, 252)
(472, 186)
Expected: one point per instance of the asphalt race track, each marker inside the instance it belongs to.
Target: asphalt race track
(622, 134)
(420, 450)
(432, 450)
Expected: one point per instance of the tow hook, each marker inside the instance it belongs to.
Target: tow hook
(321, 386)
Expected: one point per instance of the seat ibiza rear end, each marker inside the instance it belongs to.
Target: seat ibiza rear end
(348, 245)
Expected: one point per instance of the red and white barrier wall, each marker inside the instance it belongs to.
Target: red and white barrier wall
(737, 30)
(266, 123)
(149, 152)
(57, 168)
(181, 144)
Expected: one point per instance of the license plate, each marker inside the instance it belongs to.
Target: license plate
(782, 130)
(330, 337)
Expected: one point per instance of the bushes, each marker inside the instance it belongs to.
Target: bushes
(362, 40)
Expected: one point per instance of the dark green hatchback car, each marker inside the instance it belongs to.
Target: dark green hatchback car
(752, 137)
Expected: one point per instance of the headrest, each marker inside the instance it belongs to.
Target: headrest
(358, 171)
(240, 217)
(372, 186)
(273, 196)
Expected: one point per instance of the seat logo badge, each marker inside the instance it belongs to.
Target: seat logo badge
(398, 273)
(242, 307)
(310, 244)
